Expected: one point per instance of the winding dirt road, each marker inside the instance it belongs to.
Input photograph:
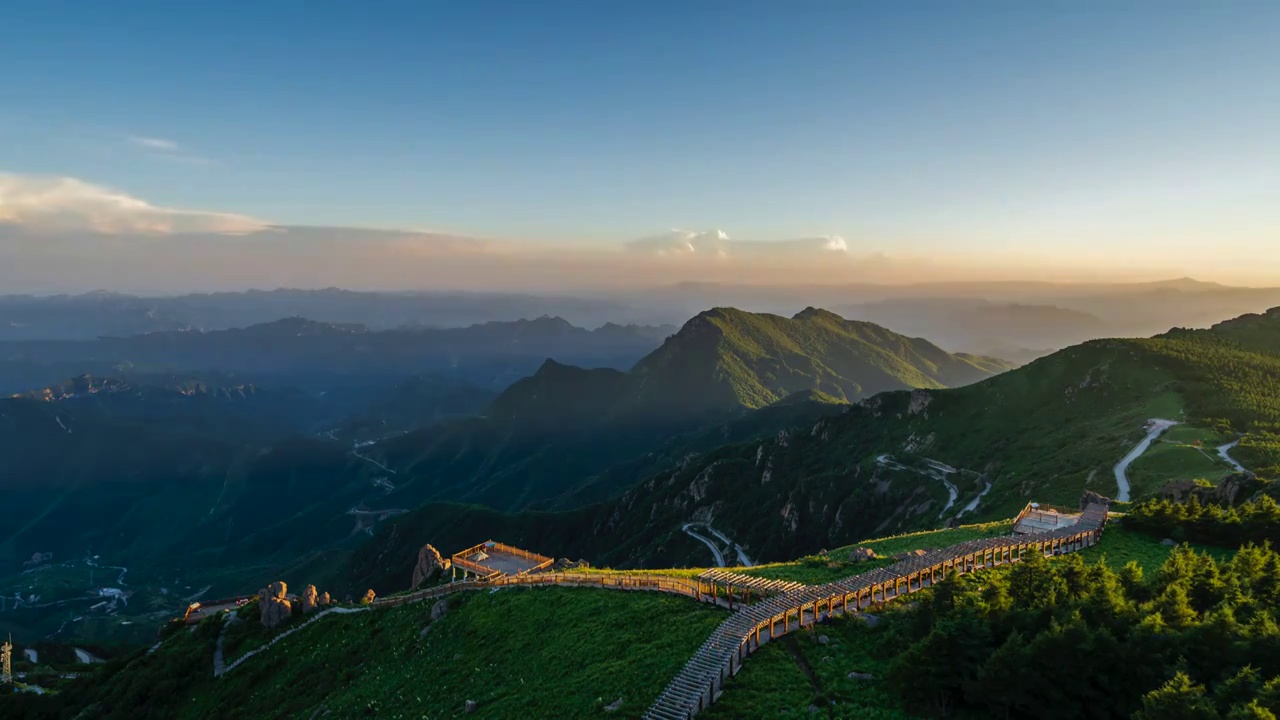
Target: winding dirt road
(1155, 428)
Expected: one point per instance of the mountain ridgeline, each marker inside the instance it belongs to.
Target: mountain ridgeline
(294, 439)
(909, 460)
(725, 360)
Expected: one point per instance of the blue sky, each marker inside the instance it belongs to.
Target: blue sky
(983, 127)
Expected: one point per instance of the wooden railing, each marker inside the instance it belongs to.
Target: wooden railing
(540, 561)
(700, 682)
(484, 572)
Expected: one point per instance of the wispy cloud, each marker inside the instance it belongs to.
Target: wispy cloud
(152, 143)
(69, 204)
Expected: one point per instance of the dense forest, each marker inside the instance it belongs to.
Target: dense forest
(1228, 376)
(1254, 521)
(1064, 639)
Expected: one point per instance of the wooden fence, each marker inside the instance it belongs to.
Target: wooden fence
(700, 682)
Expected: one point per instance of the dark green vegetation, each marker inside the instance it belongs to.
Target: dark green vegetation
(677, 436)
(518, 653)
(1073, 637)
(198, 482)
(726, 356)
(835, 564)
(1068, 640)
(1045, 432)
(1183, 452)
(1255, 521)
(568, 652)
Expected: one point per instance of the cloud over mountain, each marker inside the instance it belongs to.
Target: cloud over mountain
(62, 234)
(717, 243)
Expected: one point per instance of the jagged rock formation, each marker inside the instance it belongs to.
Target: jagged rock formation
(429, 564)
(310, 599)
(368, 598)
(274, 603)
(326, 600)
(567, 564)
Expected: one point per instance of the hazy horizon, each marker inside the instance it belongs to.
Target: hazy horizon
(554, 148)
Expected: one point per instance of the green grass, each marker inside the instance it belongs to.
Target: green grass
(835, 565)
(772, 683)
(519, 653)
(1174, 456)
(1120, 546)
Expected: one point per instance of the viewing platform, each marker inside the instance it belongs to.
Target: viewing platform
(1036, 518)
(490, 560)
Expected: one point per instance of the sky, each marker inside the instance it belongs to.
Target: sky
(201, 145)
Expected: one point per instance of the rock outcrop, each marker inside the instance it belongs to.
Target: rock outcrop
(430, 563)
(567, 564)
(1232, 490)
(310, 599)
(326, 600)
(862, 554)
(368, 598)
(439, 609)
(1092, 498)
(273, 601)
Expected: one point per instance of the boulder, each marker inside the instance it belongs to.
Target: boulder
(1168, 542)
(861, 676)
(909, 555)
(861, 554)
(430, 563)
(823, 639)
(567, 564)
(614, 706)
(310, 599)
(1092, 498)
(274, 604)
(326, 600)
(439, 609)
(1233, 489)
(471, 706)
(368, 598)
(1179, 490)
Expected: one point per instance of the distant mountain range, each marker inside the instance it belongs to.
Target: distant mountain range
(921, 309)
(141, 467)
(309, 353)
(82, 317)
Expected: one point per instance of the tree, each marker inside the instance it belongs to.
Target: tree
(1178, 699)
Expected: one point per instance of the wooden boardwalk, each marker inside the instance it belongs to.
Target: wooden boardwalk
(700, 682)
(750, 585)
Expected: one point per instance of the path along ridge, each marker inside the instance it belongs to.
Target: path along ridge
(724, 593)
(700, 682)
